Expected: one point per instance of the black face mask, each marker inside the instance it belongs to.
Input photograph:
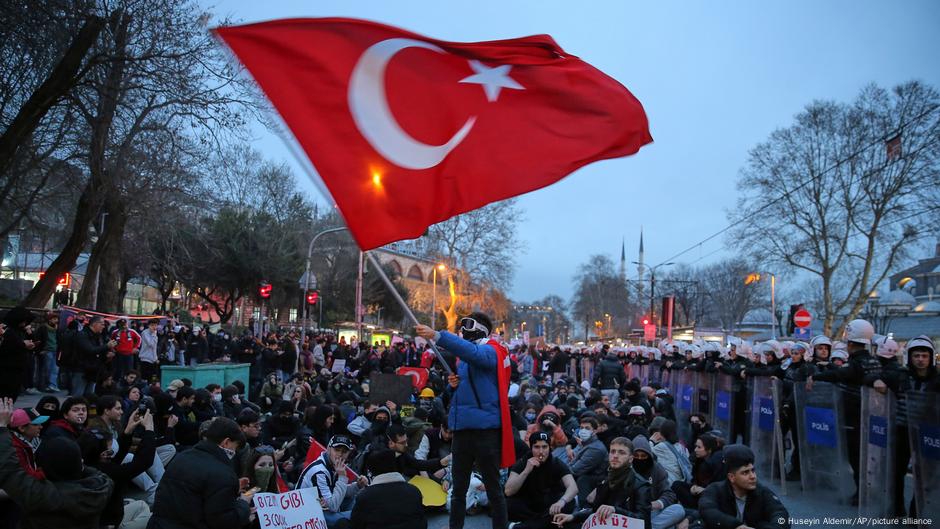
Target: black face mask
(643, 466)
(473, 335)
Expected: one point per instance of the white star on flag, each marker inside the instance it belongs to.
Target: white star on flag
(492, 79)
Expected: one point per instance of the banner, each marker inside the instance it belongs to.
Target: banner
(295, 509)
(614, 521)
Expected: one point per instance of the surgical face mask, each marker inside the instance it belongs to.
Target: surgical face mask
(584, 434)
(530, 417)
(217, 397)
(228, 452)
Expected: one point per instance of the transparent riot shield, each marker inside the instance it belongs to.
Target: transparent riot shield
(573, 368)
(685, 401)
(704, 395)
(878, 449)
(655, 373)
(630, 371)
(763, 425)
(643, 373)
(824, 456)
(923, 419)
(723, 405)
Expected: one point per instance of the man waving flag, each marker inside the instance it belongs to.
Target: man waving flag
(407, 131)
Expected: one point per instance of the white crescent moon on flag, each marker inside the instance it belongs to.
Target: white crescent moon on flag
(369, 107)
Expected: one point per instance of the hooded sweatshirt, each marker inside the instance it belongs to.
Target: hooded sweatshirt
(657, 476)
(74, 503)
(558, 434)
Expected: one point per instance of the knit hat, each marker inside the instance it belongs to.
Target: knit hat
(539, 436)
(60, 459)
(736, 456)
(633, 386)
(381, 462)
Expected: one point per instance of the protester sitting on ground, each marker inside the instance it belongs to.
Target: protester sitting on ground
(261, 469)
(670, 453)
(388, 502)
(70, 425)
(637, 423)
(623, 492)
(231, 403)
(25, 427)
(739, 500)
(706, 469)
(549, 421)
(97, 446)
(327, 476)
(70, 496)
(48, 406)
(200, 487)
(186, 428)
(539, 487)
(588, 461)
(249, 423)
(407, 464)
(281, 426)
(665, 511)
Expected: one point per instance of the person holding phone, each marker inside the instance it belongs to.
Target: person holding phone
(200, 487)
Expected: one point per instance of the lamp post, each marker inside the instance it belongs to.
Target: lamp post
(652, 271)
(440, 267)
(303, 329)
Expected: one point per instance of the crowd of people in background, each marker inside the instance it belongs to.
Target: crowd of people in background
(123, 450)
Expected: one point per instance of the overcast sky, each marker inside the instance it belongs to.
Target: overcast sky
(715, 78)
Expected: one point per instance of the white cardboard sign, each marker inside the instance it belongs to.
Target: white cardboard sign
(297, 509)
(614, 521)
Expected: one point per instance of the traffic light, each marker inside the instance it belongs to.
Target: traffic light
(264, 290)
(646, 320)
(312, 297)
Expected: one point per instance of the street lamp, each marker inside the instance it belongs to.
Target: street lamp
(653, 289)
(608, 324)
(442, 267)
(754, 277)
(306, 278)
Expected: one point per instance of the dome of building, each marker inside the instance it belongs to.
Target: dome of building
(928, 306)
(898, 297)
(757, 317)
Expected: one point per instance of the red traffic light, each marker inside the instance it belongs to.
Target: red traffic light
(646, 321)
(312, 297)
(264, 290)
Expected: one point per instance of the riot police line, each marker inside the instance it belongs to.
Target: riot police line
(791, 427)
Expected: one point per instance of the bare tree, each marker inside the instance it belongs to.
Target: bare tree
(480, 247)
(599, 291)
(729, 297)
(844, 192)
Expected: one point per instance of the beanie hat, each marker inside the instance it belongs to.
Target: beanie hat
(633, 386)
(736, 456)
(60, 459)
(381, 462)
(539, 436)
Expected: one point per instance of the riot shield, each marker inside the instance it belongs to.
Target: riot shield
(629, 370)
(573, 368)
(923, 419)
(704, 392)
(878, 444)
(655, 373)
(824, 456)
(763, 425)
(723, 405)
(643, 373)
(685, 402)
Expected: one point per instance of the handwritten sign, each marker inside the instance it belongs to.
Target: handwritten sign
(614, 521)
(338, 366)
(297, 509)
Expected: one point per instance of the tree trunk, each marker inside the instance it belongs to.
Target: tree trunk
(112, 258)
(60, 80)
(90, 201)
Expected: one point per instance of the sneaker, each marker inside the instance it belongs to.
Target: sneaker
(32, 391)
(51, 389)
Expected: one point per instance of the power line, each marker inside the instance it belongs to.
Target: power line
(873, 143)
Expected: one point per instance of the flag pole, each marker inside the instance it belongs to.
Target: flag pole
(405, 307)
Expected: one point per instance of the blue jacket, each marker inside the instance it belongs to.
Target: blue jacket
(477, 362)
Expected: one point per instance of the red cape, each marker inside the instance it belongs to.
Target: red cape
(503, 367)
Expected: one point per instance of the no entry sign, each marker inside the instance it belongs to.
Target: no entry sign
(802, 318)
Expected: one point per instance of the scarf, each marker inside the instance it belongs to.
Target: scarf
(617, 477)
(503, 368)
(32, 443)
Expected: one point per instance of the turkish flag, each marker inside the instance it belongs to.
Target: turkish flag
(419, 376)
(407, 131)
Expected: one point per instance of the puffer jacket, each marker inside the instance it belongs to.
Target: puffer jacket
(558, 435)
(76, 504)
(609, 374)
(475, 403)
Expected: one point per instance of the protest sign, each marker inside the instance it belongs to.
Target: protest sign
(613, 521)
(295, 509)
